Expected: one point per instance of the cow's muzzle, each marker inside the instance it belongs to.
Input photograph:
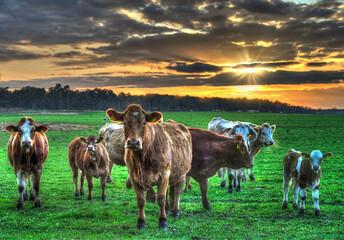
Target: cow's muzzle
(133, 144)
(26, 144)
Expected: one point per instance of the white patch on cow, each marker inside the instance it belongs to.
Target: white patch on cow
(299, 165)
(21, 178)
(26, 129)
(316, 198)
(14, 139)
(135, 113)
(316, 157)
(313, 184)
(39, 171)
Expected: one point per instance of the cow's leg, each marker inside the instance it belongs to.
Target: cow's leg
(36, 180)
(178, 188)
(204, 190)
(187, 184)
(90, 186)
(75, 180)
(231, 177)
(32, 191)
(316, 202)
(239, 175)
(167, 204)
(303, 195)
(296, 189)
(82, 181)
(108, 179)
(286, 185)
(21, 181)
(222, 175)
(251, 172)
(103, 180)
(140, 196)
(244, 178)
(162, 190)
(150, 195)
(128, 183)
(25, 195)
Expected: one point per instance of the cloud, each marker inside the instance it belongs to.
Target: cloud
(318, 64)
(262, 65)
(197, 67)
(7, 55)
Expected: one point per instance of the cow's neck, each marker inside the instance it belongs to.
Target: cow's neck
(257, 145)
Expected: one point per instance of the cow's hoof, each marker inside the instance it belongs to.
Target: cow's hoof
(230, 190)
(77, 194)
(89, 199)
(109, 180)
(32, 197)
(285, 204)
(163, 223)
(104, 199)
(223, 184)
(238, 189)
(207, 207)
(141, 224)
(82, 193)
(20, 206)
(317, 212)
(38, 204)
(244, 179)
(252, 178)
(302, 211)
(295, 206)
(175, 214)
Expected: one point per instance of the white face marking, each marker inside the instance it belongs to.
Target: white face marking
(135, 113)
(299, 165)
(266, 136)
(316, 157)
(26, 129)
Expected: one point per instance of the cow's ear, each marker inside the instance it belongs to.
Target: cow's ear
(226, 130)
(327, 156)
(11, 129)
(154, 117)
(257, 129)
(41, 129)
(114, 116)
(83, 140)
(305, 155)
(273, 127)
(100, 139)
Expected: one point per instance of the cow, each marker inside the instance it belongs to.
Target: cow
(264, 139)
(210, 152)
(157, 154)
(90, 156)
(113, 140)
(305, 170)
(27, 151)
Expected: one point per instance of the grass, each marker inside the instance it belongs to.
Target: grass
(255, 213)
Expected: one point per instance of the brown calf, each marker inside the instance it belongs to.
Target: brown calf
(210, 152)
(27, 151)
(305, 170)
(90, 156)
(157, 154)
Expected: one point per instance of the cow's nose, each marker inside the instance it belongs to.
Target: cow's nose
(26, 143)
(133, 142)
(271, 142)
(90, 148)
(316, 168)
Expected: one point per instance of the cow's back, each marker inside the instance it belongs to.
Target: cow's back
(290, 162)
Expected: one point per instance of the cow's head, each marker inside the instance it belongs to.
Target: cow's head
(316, 158)
(249, 134)
(26, 130)
(91, 143)
(241, 156)
(134, 119)
(265, 132)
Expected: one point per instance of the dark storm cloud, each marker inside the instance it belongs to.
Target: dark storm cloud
(7, 55)
(318, 64)
(156, 80)
(274, 7)
(69, 54)
(272, 64)
(197, 67)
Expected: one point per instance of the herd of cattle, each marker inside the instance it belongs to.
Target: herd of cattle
(161, 154)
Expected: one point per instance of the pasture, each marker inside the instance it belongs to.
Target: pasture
(255, 213)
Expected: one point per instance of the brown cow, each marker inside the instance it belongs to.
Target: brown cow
(305, 170)
(157, 154)
(210, 152)
(90, 156)
(27, 151)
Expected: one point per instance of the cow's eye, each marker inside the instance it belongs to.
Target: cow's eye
(263, 133)
(144, 124)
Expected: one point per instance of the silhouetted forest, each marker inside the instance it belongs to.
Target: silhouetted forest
(63, 98)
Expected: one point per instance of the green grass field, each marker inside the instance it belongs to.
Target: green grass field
(255, 213)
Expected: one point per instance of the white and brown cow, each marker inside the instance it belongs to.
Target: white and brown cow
(305, 170)
(27, 151)
(157, 154)
(90, 156)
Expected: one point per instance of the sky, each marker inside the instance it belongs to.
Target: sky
(290, 51)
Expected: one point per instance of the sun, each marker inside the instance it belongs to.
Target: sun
(249, 70)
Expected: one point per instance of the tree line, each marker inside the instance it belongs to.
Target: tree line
(64, 98)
